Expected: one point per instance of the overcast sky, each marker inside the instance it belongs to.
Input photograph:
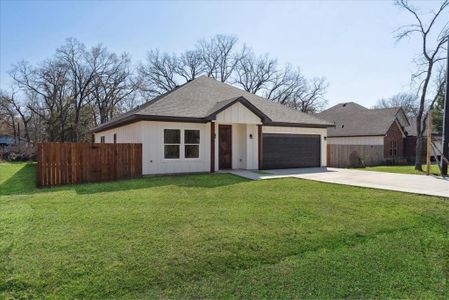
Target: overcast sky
(350, 43)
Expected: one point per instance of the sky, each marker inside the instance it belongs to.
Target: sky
(350, 43)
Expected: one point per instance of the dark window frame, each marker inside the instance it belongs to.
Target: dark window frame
(115, 138)
(393, 148)
(102, 139)
(172, 143)
(190, 144)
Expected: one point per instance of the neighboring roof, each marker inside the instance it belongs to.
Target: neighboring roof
(352, 119)
(411, 129)
(201, 99)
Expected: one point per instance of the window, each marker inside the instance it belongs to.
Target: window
(115, 138)
(191, 143)
(172, 141)
(393, 148)
(102, 139)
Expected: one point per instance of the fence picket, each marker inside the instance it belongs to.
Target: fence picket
(71, 163)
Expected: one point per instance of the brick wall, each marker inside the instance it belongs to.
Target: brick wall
(394, 134)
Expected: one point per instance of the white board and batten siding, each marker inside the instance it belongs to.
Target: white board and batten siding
(237, 113)
(244, 136)
(322, 132)
(151, 135)
(131, 133)
(153, 149)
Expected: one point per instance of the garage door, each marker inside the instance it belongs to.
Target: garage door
(290, 151)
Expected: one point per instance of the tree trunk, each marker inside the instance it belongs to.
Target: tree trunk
(418, 158)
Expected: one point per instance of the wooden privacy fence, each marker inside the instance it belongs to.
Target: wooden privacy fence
(70, 163)
(346, 156)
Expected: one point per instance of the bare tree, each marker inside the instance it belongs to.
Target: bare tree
(253, 73)
(80, 75)
(289, 87)
(191, 65)
(11, 103)
(431, 54)
(158, 73)
(219, 56)
(113, 83)
(408, 101)
(309, 97)
(284, 85)
(46, 89)
(8, 115)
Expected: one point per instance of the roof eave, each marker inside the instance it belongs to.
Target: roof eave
(137, 117)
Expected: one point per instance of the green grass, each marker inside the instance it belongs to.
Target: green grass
(403, 169)
(218, 236)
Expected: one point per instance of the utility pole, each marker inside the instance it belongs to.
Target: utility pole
(446, 118)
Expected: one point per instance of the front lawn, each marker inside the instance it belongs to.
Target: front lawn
(403, 169)
(218, 236)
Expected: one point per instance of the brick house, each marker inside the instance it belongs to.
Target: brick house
(378, 134)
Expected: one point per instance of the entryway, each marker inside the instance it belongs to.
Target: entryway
(225, 147)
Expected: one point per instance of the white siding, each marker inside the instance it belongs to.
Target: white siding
(245, 153)
(131, 133)
(252, 147)
(356, 140)
(153, 149)
(302, 130)
(151, 135)
(237, 113)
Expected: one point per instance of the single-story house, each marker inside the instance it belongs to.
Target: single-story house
(383, 129)
(206, 125)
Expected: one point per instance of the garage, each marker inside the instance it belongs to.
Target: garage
(280, 151)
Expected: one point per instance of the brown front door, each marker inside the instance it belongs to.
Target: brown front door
(224, 146)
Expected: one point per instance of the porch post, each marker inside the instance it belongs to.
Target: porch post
(212, 147)
(260, 145)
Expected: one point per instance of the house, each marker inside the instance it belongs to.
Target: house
(206, 125)
(410, 143)
(381, 129)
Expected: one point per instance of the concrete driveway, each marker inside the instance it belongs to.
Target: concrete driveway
(419, 184)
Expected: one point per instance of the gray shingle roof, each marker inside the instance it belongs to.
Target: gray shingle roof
(199, 98)
(352, 119)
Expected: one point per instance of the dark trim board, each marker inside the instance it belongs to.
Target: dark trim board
(260, 146)
(212, 147)
(138, 118)
(284, 124)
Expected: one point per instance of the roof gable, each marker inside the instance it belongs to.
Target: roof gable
(226, 104)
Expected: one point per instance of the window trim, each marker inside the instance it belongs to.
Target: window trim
(393, 148)
(191, 144)
(181, 145)
(171, 144)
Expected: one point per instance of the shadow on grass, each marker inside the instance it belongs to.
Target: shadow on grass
(23, 182)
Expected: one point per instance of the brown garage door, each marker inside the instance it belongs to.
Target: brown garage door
(290, 151)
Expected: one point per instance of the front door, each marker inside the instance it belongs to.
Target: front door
(225, 146)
